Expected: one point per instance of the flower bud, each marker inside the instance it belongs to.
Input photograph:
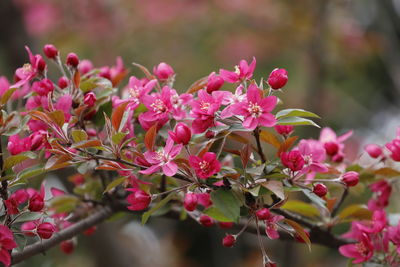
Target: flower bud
(37, 139)
(225, 225)
(90, 230)
(263, 214)
(284, 129)
(163, 71)
(182, 134)
(278, 78)
(67, 246)
(350, 178)
(85, 66)
(206, 221)
(50, 51)
(331, 148)
(338, 158)
(36, 202)
(210, 134)
(228, 241)
(190, 202)
(138, 200)
(320, 190)
(374, 151)
(90, 99)
(28, 228)
(63, 82)
(41, 65)
(45, 230)
(293, 160)
(72, 60)
(214, 83)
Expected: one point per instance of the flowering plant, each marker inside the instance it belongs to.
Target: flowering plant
(212, 155)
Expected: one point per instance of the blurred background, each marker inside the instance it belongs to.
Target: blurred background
(343, 59)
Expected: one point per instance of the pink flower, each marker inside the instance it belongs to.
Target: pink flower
(17, 145)
(64, 103)
(206, 220)
(45, 230)
(28, 228)
(63, 82)
(293, 160)
(138, 89)
(229, 100)
(72, 60)
(242, 72)
(180, 104)
(350, 178)
(190, 202)
(361, 251)
(17, 198)
(320, 190)
(271, 228)
(228, 241)
(374, 151)
(204, 110)
(163, 71)
(333, 144)
(29, 71)
(43, 87)
(138, 200)
(182, 134)
(50, 51)
(263, 214)
(278, 78)
(376, 225)
(380, 199)
(163, 159)
(205, 166)
(394, 148)
(394, 235)
(36, 200)
(314, 155)
(214, 83)
(204, 199)
(284, 129)
(255, 109)
(7, 243)
(90, 99)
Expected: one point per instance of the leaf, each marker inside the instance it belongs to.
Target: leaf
(216, 214)
(163, 202)
(387, 172)
(270, 138)
(245, 153)
(150, 137)
(197, 85)
(295, 113)
(77, 78)
(99, 116)
(14, 160)
(124, 119)
(7, 95)
(239, 138)
(226, 202)
(114, 184)
(64, 203)
(30, 172)
(301, 207)
(28, 216)
(87, 143)
(145, 71)
(57, 117)
(287, 144)
(355, 211)
(118, 138)
(275, 187)
(299, 231)
(117, 115)
(296, 121)
(79, 136)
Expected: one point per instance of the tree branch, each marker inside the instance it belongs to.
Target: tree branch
(259, 147)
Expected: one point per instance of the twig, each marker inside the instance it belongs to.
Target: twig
(259, 147)
(340, 202)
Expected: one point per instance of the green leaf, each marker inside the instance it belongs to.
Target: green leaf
(355, 211)
(99, 116)
(114, 184)
(226, 202)
(64, 203)
(21, 241)
(296, 121)
(12, 131)
(28, 216)
(275, 187)
(29, 173)
(163, 202)
(79, 136)
(118, 138)
(295, 113)
(7, 95)
(301, 207)
(14, 160)
(216, 214)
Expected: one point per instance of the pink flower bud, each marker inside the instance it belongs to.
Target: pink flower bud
(72, 60)
(50, 51)
(67, 246)
(228, 241)
(320, 190)
(284, 129)
(138, 200)
(63, 82)
(36, 202)
(190, 202)
(163, 71)
(41, 64)
(85, 66)
(293, 160)
(206, 221)
(214, 83)
(45, 230)
(338, 158)
(373, 150)
(182, 134)
(263, 214)
(28, 228)
(90, 99)
(225, 225)
(37, 140)
(331, 148)
(43, 88)
(350, 178)
(210, 134)
(278, 78)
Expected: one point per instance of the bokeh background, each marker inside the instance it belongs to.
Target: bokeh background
(343, 59)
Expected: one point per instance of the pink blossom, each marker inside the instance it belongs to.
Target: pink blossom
(376, 225)
(204, 199)
(284, 130)
(242, 72)
(138, 200)
(350, 178)
(214, 83)
(64, 103)
(45, 230)
(85, 66)
(205, 166)
(361, 251)
(163, 71)
(50, 51)
(43, 87)
(180, 104)
(138, 89)
(7, 243)
(271, 228)
(29, 71)
(293, 160)
(374, 151)
(204, 110)
(182, 134)
(278, 78)
(394, 148)
(333, 144)
(17, 145)
(314, 156)
(72, 60)
(380, 199)
(229, 241)
(190, 202)
(229, 100)
(90, 99)
(163, 159)
(394, 235)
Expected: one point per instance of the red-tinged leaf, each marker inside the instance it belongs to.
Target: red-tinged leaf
(145, 71)
(245, 153)
(60, 166)
(57, 117)
(119, 77)
(232, 151)
(299, 231)
(117, 115)
(285, 146)
(107, 168)
(87, 143)
(387, 172)
(270, 138)
(330, 203)
(275, 187)
(183, 164)
(239, 138)
(77, 78)
(150, 137)
(41, 116)
(355, 212)
(205, 149)
(197, 85)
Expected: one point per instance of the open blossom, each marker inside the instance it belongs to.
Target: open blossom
(180, 104)
(256, 109)
(229, 99)
(43, 87)
(29, 71)
(163, 158)
(138, 89)
(7, 243)
(380, 199)
(17, 198)
(205, 166)
(203, 110)
(361, 251)
(116, 73)
(271, 228)
(293, 160)
(314, 156)
(242, 72)
(333, 144)
(376, 225)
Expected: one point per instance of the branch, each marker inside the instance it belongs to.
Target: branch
(340, 202)
(259, 147)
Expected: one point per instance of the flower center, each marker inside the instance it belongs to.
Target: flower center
(159, 106)
(205, 106)
(361, 249)
(161, 156)
(237, 70)
(255, 110)
(27, 68)
(134, 93)
(204, 166)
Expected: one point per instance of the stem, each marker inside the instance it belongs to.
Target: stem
(259, 147)
(340, 202)
(4, 185)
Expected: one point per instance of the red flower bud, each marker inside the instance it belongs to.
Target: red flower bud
(210, 134)
(225, 225)
(50, 51)
(85, 66)
(90, 99)
(190, 202)
(67, 246)
(263, 214)
(45, 230)
(72, 60)
(278, 78)
(350, 178)
(293, 160)
(320, 190)
(90, 231)
(36, 202)
(182, 134)
(41, 65)
(214, 83)
(206, 221)
(63, 82)
(331, 148)
(284, 129)
(163, 71)
(373, 150)
(338, 158)
(138, 200)
(28, 227)
(228, 241)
